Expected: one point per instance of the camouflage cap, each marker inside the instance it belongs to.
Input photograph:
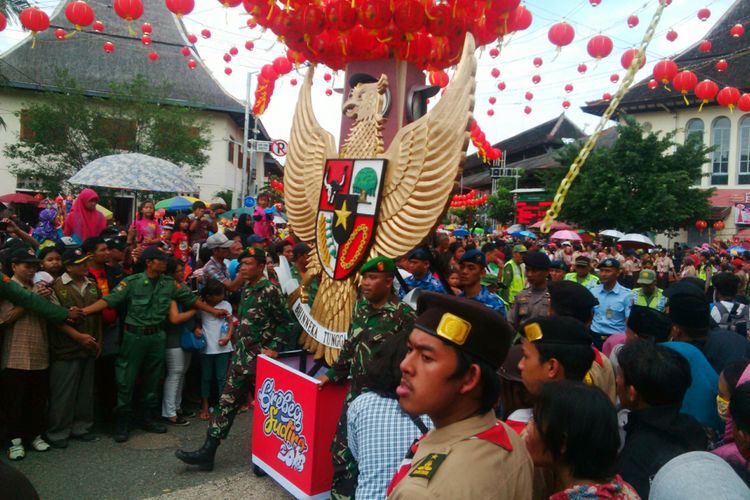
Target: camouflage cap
(380, 264)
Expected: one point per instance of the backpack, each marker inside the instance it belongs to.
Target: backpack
(734, 320)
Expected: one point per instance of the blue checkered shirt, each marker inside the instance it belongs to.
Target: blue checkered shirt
(379, 435)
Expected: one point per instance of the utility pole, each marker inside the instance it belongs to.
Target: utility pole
(247, 179)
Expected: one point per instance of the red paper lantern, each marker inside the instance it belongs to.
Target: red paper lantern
(206, 33)
(60, 34)
(79, 13)
(282, 65)
(108, 47)
(228, 71)
(495, 72)
(249, 45)
(327, 77)
(566, 104)
(129, 10)
(153, 55)
(34, 20)
(743, 103)
(230, 3)
(538, 61)
(3, 21)
(701, 225)
(684, 82)
(146, 28)
(614, 78)
(627, 58)
(492, 100)
(267, 72)
(719, 225)
(528, 96)
(652, 84)
(519, 20)
(737, 31)
(568, 88)
(293, 82)
(192, 64)
(527, 110)
(501, 86)
(665, 70)
(329, 92)
(227, 57)
(582, 68)
(185, 51)
(599, 46)
(721, 65)
(594, 3)
(494, 52)
(375, 14)
(408, 15)
(607, 96)
(98, 26)
(341, 15)
(490, 112)
(671, 35)
(633, 21)
(536, 79)
(180, 7)
(704, 14)
(146, 40)
(234, 51)
(561, 34)
(192, 38)
(728, 97)
(706, 91)
(313, 19)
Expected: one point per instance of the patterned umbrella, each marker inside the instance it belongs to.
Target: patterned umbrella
(565, 235)
(177, 203)
(137, 172)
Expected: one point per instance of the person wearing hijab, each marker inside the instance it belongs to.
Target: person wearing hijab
(84, 220)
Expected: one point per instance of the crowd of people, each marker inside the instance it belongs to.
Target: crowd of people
(554, 369)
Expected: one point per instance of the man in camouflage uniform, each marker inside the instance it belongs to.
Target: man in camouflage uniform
(265, 321)
(377, 317)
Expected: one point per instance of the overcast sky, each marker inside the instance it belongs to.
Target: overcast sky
(515, 62)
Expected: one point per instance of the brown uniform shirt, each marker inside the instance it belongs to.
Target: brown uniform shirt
(529, 303)
(478, 457)
(602, 375)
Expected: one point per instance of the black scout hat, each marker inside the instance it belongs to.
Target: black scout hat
(650, 323)
(74, 256)
(151, 253)
(465, 324)
(23, 254)
(536, 260)
(556, 330)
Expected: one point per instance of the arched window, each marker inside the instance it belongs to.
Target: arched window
(695, 128)
(743, 164)
(720, 131)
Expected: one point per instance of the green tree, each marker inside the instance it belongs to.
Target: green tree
(643, 182)
(64, 131)
(500, 203)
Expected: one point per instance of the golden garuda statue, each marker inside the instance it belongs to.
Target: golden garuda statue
(363, 201)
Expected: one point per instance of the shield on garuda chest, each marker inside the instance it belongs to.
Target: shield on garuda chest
(348, 213)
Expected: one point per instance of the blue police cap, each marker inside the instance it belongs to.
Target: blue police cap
(474, 256)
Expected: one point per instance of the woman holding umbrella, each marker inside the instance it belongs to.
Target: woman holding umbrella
(84, 220)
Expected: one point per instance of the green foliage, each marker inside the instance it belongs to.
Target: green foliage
(644, 182)
(367, 181)
(500, 204)
(67, 130)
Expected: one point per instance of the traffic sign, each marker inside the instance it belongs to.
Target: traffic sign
(249, 202)
(279, 147)
(261, 146)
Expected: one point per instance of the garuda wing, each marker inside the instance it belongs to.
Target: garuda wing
(309, 147)
(424, 160)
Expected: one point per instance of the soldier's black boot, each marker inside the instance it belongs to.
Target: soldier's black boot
(202, 457)
(122, 433)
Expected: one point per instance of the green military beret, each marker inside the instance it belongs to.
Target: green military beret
(257, 253)
(380, 264)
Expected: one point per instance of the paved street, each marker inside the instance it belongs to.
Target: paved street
(145, 467)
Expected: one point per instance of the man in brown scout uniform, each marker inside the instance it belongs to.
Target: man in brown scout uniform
(450, 374)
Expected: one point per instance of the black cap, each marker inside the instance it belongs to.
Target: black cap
(688, 306)
(649, 323)
(74, 256)
(419, 254)
(23, 254)
(118, 243)
(153, 253)
(558, 264)
(509, 370)
(556, 330)
(536, 260)
(582, 260)
(568, 298)
(465, 324)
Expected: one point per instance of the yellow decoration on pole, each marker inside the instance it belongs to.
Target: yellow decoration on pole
(554, 210)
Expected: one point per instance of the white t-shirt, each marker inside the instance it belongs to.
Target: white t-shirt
(215, 328)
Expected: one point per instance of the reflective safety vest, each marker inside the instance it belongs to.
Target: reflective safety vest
(656, 301)
(516, 284)
(589, 281)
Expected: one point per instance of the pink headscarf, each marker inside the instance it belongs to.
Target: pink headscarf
(81, 222)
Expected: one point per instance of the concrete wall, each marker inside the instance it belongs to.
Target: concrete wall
(218, 175)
